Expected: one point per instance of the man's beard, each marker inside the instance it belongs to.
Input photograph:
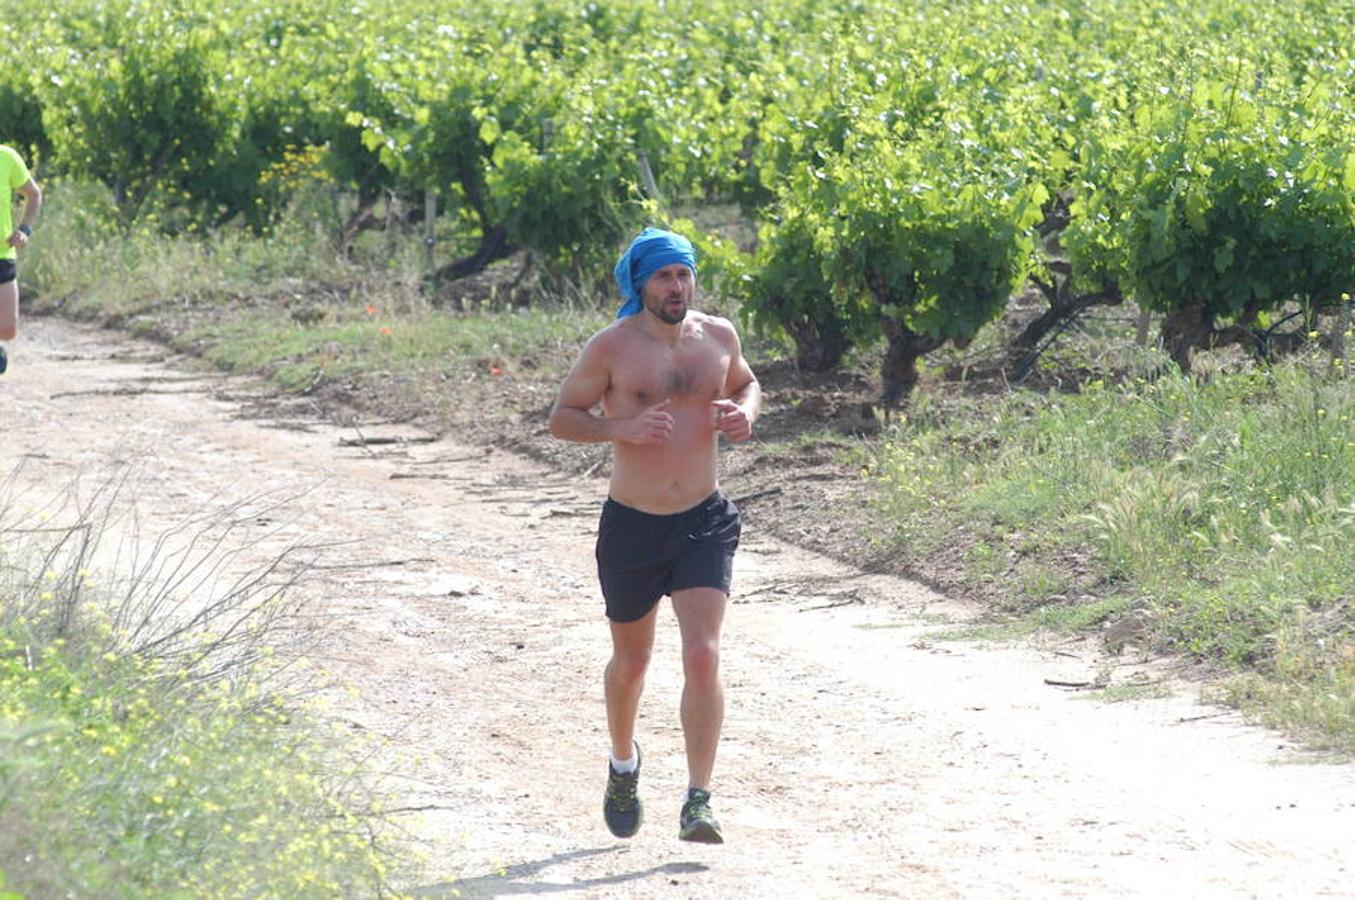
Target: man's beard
(667, 317)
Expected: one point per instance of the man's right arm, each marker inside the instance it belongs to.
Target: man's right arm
(572, 417)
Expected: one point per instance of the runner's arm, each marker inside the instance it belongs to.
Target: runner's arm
(32, 202)
(741, 395)
(572, 419)
(741, 385)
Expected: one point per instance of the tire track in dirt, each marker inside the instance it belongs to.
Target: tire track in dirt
(458, 620)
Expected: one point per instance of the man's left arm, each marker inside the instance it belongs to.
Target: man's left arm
(32, 203)
(735, 415)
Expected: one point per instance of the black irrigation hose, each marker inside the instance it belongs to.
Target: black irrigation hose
(1027, 364)
(1263, 336)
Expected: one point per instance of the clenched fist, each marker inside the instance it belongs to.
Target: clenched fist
(732, 421)
(652, 426)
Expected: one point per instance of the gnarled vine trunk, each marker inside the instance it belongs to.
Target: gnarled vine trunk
(906, 347)
(1185, 330)
(819, 345)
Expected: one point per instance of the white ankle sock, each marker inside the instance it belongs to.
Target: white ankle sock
(624, 766)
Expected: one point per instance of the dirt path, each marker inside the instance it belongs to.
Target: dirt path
(863, 756)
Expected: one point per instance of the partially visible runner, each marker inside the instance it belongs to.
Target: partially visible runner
(670, 381)
(14, 176)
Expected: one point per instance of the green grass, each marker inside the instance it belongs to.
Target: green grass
(1058, 618)
(156, 745)
(1121, 693)
(164, 790)
(85, 256)
(290, 305)
(1226, 508)
(374, 340)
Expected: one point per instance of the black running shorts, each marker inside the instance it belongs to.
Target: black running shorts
(8, 271)
(642, 556)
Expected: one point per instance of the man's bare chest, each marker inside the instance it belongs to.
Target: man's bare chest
(694, 374)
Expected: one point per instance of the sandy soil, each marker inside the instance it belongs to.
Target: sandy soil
(863, 754)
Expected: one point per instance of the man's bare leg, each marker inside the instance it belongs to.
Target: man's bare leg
(624, 679)
(700, 613)
(9, 318)
(623, 682)
(9, 310)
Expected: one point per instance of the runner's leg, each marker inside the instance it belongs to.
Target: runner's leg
(624, 679)
(700, 613)
(9, 310)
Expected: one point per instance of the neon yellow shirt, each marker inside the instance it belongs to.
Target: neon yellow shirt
(13, 175)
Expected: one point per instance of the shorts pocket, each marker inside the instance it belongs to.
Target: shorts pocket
(722, 525)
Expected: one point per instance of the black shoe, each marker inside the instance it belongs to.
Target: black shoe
(698, 823)
(621, 807)
(4, 359)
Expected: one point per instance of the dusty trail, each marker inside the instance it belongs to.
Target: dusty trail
(862, 755)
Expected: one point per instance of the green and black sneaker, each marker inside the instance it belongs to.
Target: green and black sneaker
(621, 807)
(698, 823)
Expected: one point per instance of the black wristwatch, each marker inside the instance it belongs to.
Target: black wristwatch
(28, 232)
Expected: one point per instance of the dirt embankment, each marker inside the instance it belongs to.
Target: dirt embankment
(862, 755)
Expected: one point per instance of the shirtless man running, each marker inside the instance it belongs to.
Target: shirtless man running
(670, 381)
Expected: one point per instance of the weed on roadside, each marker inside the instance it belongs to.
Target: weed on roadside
(155, 736)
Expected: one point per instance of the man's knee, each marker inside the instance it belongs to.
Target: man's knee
(701, 661)
(628, 667)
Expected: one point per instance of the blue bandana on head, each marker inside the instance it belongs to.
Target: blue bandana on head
(653, 249)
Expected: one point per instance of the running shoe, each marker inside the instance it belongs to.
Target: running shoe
(621, 807)
(697, 822)
(4, 359)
